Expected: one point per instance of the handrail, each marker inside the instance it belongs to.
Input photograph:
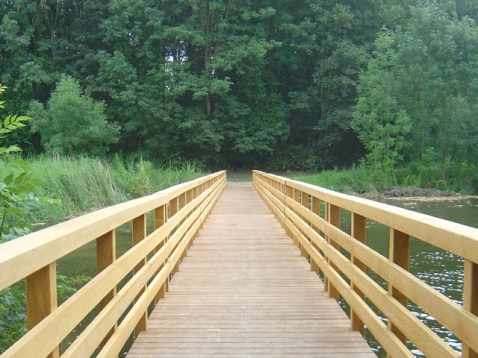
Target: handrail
(298, 207)
(178, 214)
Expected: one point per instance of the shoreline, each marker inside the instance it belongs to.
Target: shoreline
(383, 198)
(432, 199)
(415, 194)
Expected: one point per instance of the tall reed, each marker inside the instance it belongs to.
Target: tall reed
(85, 184)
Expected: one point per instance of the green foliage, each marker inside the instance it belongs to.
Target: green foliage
(380, 121)
(355, 180)
(418, 95)
(84, 184)
(246, 84)
(73, 123)
(12, 316)
(17, 184)
(17, 199)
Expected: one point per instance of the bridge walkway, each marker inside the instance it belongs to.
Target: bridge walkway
(244, 290)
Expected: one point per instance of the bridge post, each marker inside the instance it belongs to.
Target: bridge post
(358, 232)
(160, 220)
(139, 233)
(400, 255)
(173, 209)
(182, 201)
(190, 197)
(283, 190)
(304, 200)
(333, 217)
(105, 256)
(42, 298)
(289, 192)
(470, 299)
(315, 208)
(296, 196)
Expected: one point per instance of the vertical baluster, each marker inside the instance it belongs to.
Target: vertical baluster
(333, 217)
(139, 233)
(358, 232)
(399, 254)
(189, 198)
(290, 194)
(42, 297)
(304, 198)
(316, 210)
(105, 256)
(182, 203)
(283, 190)
(173, 209)
(160, 220)
(296, 196)
(470, 299)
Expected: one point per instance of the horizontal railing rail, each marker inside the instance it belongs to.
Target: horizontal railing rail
(153, 259)
(298, 207)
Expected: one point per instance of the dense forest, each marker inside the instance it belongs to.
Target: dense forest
(276, 84)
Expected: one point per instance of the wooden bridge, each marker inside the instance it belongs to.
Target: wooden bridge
(236, 271)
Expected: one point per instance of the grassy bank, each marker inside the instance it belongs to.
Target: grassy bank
(362, 180)
(85, 184)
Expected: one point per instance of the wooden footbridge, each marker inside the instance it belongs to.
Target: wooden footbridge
(241, 271)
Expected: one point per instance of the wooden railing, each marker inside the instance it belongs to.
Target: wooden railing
(178, 214)
(298, 207)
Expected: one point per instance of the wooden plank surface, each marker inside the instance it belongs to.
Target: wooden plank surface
(245, 291)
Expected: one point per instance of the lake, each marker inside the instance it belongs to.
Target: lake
(439, 269)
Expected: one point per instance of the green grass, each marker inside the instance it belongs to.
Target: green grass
(86, 184)
(346, 181)
(463, 180)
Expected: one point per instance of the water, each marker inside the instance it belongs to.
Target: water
(83, 262)
(440, 269)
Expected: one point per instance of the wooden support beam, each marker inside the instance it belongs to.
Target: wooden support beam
(160, 218)
(139, 233)
(289, 192)
(42, 298)
(315, 208)
(358, 232)
(105, 256)
(304, 200)
(399, 254)
(470, 300)
(333, 218)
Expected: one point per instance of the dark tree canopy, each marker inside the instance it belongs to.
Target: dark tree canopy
(235, 84)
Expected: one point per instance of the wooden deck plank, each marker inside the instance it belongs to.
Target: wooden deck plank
(245, 291)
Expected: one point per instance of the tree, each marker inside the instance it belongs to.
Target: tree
(420, 92)
(379, 119)
(72, 122)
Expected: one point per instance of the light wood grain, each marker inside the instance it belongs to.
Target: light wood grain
(53, 327)
(243, 290)
(26, 255)
(325, 243)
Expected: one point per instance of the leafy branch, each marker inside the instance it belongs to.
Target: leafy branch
(17, 183)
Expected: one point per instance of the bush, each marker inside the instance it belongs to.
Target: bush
(72, 122)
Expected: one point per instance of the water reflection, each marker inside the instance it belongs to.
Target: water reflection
(440, 269)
